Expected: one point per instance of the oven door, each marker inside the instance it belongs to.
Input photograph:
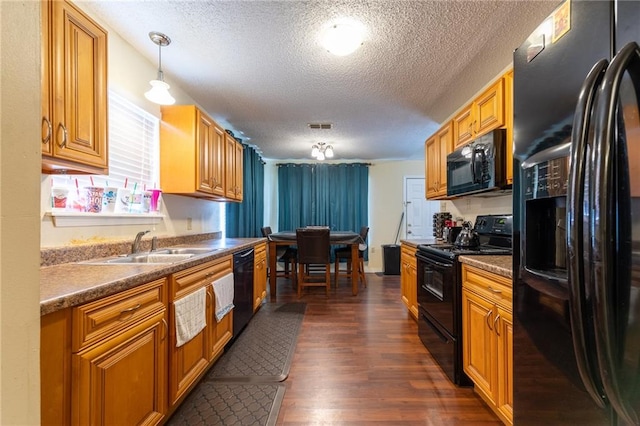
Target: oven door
(436, 292)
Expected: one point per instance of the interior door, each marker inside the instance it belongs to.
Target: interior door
(418, 211)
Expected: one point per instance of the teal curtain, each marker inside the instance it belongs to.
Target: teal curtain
(245, 219)
(334, 195)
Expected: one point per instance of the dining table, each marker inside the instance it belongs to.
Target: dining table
(288, 238)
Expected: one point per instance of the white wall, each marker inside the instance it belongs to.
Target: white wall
(129, 75)
(19, 213)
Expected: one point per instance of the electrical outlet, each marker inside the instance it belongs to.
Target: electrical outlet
(189, 224)
(373, 249)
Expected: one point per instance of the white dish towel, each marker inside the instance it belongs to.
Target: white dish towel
(223, 290)
(191, 315)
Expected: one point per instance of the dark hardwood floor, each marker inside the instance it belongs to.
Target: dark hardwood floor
(359, 360)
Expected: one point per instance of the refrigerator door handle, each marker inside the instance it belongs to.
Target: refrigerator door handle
(627, 59)
(581, 330)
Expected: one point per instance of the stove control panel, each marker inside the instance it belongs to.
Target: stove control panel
(494, 224)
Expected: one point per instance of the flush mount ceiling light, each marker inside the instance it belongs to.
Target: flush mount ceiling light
(159, 92)
(342, 39)
(319, 151)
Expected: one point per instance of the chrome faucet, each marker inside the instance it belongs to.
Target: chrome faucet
(135, 247)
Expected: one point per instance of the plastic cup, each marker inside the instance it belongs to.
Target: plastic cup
(109, 198)
(154, 205)
(59, 197)
(93, 199)
(123, 200)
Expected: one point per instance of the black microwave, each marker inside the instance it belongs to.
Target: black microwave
(478, 166)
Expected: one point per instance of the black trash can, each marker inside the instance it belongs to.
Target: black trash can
(391, 254)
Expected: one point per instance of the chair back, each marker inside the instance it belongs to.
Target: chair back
(313, 245)
(266, 231)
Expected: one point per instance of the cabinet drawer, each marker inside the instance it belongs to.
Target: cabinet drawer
(494, 287)
(98, 320)
(408, 255)
(260, 250)
(184, 282)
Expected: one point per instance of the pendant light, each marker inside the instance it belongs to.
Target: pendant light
(159, 92)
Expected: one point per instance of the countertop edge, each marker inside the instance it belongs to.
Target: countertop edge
(72, 284)
(500, 265)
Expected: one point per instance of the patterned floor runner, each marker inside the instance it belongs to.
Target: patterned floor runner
(243, 387)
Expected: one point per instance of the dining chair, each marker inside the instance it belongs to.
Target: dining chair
(343, 254)
(314, 259)
(287, 255)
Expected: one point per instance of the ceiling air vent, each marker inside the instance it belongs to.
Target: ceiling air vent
(320, 126)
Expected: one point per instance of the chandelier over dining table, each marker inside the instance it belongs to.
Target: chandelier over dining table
(321, 150)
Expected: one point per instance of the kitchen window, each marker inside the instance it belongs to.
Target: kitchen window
(133, 153)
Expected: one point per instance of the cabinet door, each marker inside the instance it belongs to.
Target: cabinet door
(123, 380)
(463, 127)
(230, 164)
(238, 164)
(79, 48)
(218, 333)
(187, 362)
(217, 166)
(504, 331)
(478, 342)
(46, 79)
(432, 164)
(445, 140)
(508, 119)
(205, 148)
(489, 109)
(259, 276)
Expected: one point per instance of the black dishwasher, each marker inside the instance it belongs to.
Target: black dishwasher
(243, 289)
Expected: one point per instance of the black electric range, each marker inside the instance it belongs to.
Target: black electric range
(439, 288)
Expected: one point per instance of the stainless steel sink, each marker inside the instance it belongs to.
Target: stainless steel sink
(162, 256)
(149, 258)
(188, 250)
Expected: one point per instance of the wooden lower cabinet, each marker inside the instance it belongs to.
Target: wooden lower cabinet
(259, 275)
(409, 279)
(114, 361)
(487, 333)
(189, 361)
(121, 378)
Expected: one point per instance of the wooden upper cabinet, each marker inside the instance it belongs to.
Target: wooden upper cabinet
(191, 153)
(508, 115)
(485, 113)
(436, 150)
(74, 91)
(234, 169)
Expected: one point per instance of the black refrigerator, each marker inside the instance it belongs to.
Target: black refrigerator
(576, 218)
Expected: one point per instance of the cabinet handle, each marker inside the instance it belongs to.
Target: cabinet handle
(475, 127)
(495, 291)
(166, 329)
(209, 297)
(487, 319)
(47, 138)
(210, 274)
(495, 326)
(131, 309)
(64, 133)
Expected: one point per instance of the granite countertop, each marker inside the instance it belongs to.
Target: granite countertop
(70, 284)
(416, 243)
(501, 265)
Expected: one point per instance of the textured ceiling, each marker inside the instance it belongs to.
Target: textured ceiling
(258, 67)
